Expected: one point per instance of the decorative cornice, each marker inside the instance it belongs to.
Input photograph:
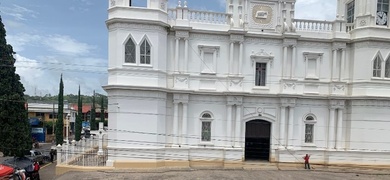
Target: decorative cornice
(336, 104)
(288, 102)
(138, 26)
(182, 34)
(234, 100)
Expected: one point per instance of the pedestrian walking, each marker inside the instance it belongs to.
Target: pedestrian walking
(306, 158)
(51, 155)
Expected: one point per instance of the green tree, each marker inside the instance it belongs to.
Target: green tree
(60, 121)
(102, 115)
(93, 113)
(79, 118)
(15, 130)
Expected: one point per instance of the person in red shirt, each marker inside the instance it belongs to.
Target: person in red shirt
(306, 158)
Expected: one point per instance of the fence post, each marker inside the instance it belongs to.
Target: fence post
(100, 151)
(59, 154)
(66, 154)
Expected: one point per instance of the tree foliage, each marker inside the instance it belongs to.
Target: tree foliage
(15, 130)
(102, 118)
(93, 113)
(70, 98)
(60, 121)
(79, 118)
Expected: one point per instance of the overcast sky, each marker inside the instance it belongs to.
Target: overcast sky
(52, 37)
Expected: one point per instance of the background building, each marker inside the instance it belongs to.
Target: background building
(188, 87)
(46, 112)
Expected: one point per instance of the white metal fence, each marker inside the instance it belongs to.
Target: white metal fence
(84, 152)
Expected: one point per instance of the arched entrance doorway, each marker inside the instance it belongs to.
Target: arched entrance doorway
(257, 140)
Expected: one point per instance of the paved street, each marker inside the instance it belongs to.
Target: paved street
(226, 175)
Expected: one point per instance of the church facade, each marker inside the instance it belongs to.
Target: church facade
(196, 88)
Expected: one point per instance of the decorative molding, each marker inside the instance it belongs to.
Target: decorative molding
(180, 98)
(264, 41)
(267, 20)
(372, 44)
(373, 103)
(236, 82)
(209, 37)
(362, 23)
(312, 55)
(336, 104)
(182, 34)
(289, 85)
(338, 87)
(236, 38)
(234, 100)
(262, 57)
(288, 102)
(181, 79)
(290, 42)
(112, 3)
(142, 27)
(339, 45)
(314, 44)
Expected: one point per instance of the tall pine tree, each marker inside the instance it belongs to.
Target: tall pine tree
(102, 115)
(78, 118)
(15, 130)
(60, 121)
(93, 113)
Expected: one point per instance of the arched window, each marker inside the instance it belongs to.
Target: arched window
(377, 66)
(387, 68)
(130, 51)
(309, 128)
(145, 52)
(206, 119)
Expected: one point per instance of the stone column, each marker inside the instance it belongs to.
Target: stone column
(240, 58)
(237, 139)
(290, 128)
(175, 123)
(293, 61)
(339, 142)
(231, 58)
(342, 68)
(184, 125)
(185, 54)
(284, 61)
(229, 134)
(177, 54)
(331, 129)
(334, 65)
(282, 126)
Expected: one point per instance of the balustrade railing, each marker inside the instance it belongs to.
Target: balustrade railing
(199, 16)
(209, 17)
(350, 26)
(310, 25)
(172, 14)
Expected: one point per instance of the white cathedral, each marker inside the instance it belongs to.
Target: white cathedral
(195, 88)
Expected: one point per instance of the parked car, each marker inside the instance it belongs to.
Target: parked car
(35, 155)
(23, 165)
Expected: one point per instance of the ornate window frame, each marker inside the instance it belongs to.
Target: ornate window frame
(145, 39)
(378, 60)
(350, 6)
(309, 120)
(262, 57)
(206, 117)
(130, 38)
(312, 56)
(214, 50)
